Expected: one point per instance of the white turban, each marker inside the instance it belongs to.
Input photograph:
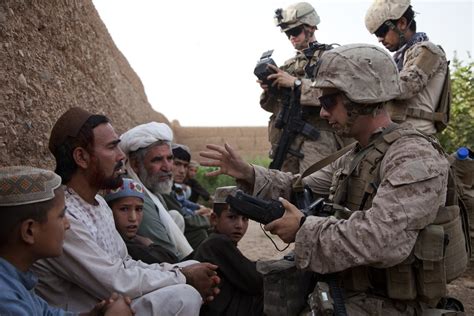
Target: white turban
(144, 135)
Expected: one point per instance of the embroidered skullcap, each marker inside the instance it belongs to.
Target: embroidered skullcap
(128, 188)
(223, 192)
(181, 152)
(144, 135)
(69, 124)
(20, 185)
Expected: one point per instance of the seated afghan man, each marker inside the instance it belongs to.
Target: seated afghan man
(95, 261)
(150, 162)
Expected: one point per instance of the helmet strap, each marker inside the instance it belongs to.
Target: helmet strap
(354, 110)
(401, 35)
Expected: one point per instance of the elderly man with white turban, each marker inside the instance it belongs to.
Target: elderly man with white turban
(152, 142)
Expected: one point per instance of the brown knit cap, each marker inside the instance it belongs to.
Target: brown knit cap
(69, 124)
(20, 185)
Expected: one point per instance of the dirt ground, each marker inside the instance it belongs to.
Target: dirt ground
(256, 246)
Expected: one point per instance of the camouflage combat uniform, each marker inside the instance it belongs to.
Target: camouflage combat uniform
(313, 150)
(423, 69)
(409, 187)
(425, 98)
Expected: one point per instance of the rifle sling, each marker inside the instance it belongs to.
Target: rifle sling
(298, 185)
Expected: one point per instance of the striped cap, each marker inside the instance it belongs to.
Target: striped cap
(20, 185)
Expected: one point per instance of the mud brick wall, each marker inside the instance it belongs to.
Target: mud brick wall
(251, 142)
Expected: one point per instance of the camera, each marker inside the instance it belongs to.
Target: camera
(262, 71)
(266, 211)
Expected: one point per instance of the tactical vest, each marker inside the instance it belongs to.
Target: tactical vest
(441, 115)
(302, 66)
(440, 253)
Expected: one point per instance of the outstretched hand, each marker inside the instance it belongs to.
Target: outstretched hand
(288, 225)
(203, 277)
(228, 161)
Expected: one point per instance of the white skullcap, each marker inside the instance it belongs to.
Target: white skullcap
(144, 135)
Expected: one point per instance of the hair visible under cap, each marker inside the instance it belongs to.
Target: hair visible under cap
(65, 164)
(25, 192)
(68, 124)
(181, 152)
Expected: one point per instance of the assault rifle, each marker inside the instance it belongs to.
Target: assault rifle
(290, 121)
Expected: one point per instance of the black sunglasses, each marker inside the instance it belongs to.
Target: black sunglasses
(294, 31)
(384, 28)
(328, 101)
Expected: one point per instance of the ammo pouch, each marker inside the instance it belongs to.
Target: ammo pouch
(456, 255)
(422, 274)
(285, 287)
(400, 280)
(430, 267)
(439, 256)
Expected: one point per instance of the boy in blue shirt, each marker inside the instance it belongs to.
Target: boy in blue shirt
(32, 226)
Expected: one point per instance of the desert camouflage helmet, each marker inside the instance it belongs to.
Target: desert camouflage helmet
(296, 15)
(365, 73)
(384, 10)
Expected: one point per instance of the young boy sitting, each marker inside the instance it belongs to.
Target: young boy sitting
(32, 227)
(241, 285)
(126, 203)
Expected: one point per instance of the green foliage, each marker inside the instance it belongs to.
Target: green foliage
(211, 183)
(460, 131)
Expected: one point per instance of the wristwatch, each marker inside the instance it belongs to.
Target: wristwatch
(297, 84)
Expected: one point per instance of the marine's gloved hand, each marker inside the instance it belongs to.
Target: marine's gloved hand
(288, 225)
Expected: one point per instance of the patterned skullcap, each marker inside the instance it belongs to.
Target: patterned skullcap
(69, 124)
(20, 185)
(181, 152)
(128, 188)
(223, 192)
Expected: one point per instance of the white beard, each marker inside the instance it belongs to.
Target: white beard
(153, 184)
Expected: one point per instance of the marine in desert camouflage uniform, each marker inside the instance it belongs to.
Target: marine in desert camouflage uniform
(392, 183)
(299, 21)
(422, 64)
